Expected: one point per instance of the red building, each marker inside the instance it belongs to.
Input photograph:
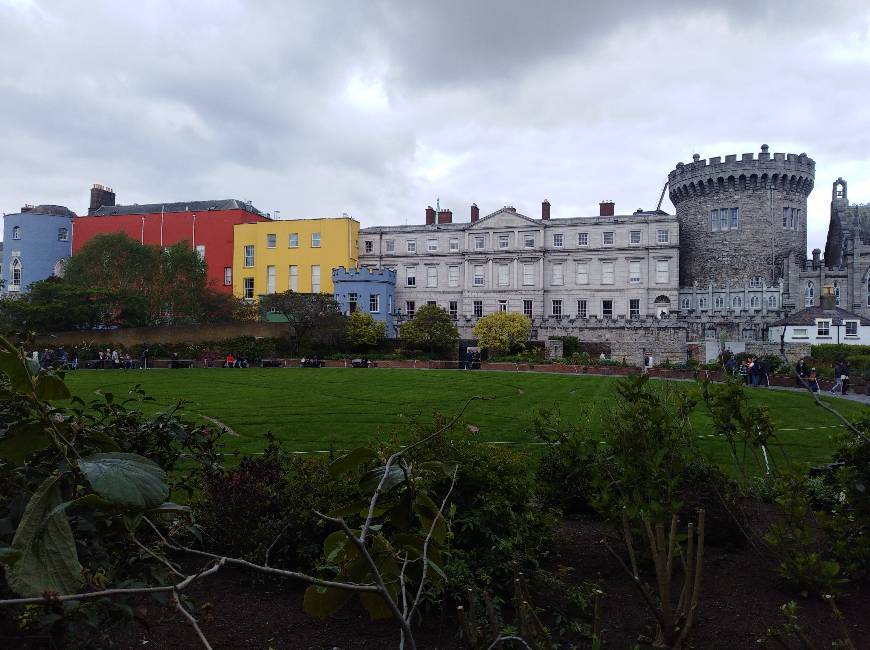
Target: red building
(205, 225)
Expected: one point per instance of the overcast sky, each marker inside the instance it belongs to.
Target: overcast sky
(377, 109)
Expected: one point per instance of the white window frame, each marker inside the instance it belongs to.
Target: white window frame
(411, 245)
(374, 303)
(556, 308)
(248, 288)
(478, 279)
(293, 275)
(249, 256)
(582, 308)
(737, 302)
(15, 268)
(557, 275)
(608, 238)
(663, 236)
(477, 308)
(583, 239)
(453, 276)
(63, 234)
(529, 240)
(771, 302)
(293, 241)
(502, 305)
(431, 276)
(453, 309)
(270, 279)
(823, 328)
(315, 278)
(528, 274)
(410, 308)
(719, 302)
(608, 273)
(453, 245)
(581, 273)
(528, 307)
(479, 243)
(634, 272)
(432, 245)
(850, 324)
(810, 294)
(558, 240)
(800, 333)
(390, 245)
(228, 276)
(634, 307)
(271, 240)
(702, 302)
(411, 276)
(605, 308)
(315, 240)
(663, 272)
(634, 238)
(504, 241)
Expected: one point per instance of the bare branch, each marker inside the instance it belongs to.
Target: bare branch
(190, 619)
(160, 559)
(502, 639)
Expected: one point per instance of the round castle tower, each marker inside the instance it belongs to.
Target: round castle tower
(741, 218)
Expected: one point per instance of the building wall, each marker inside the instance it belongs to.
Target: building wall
(338, 248)
(364, 284)
(212, 229)
(438, 248)
(759, 187)
(38, 249)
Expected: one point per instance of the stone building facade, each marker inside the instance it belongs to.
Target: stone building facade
(600, 271)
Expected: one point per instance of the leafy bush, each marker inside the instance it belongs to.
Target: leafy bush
(503, 331)
(834, 352)
(859, 362)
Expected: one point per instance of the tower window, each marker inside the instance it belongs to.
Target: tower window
(810, 295)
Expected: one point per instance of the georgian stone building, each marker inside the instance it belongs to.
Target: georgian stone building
(562, 273)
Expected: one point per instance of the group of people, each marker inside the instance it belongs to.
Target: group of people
(810, 376)
(109, 358)
(754, 372)
(49, 358)
(232, 361)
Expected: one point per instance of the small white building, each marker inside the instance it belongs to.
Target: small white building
(821, 325)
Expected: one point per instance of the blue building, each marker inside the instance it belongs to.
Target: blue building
(37, 242)
(367, 290)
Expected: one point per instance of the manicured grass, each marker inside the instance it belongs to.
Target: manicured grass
(319, 409)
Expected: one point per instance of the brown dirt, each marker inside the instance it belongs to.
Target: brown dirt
(740, 599)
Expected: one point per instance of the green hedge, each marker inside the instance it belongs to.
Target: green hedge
(859, 361)
(248, 347)
(831, 353)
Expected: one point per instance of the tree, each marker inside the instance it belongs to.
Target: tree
(364, 332)
(431, 328)
(502, 331)
(307, 313)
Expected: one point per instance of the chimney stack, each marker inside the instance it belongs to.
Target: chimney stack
(100, 196)
(475, 212)
(545, 210)
(816, 254)
(827, 300)
(430, 216)
(445, 216)
(605, 209)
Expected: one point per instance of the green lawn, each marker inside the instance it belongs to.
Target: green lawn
(315, 409)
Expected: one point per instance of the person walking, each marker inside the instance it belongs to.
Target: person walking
(813, 381)
(145, 358)
(743, 371)
(801, 369)
(845, 376)
(838, 379)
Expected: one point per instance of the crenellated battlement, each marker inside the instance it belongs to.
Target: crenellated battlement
(342, 274)
(786, 172)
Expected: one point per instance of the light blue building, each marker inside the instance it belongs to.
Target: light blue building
(36, 244)
(367, 290)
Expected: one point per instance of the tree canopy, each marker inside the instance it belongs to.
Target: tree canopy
(431, 328)
(313, 318)
(364, 332)
(502, 331)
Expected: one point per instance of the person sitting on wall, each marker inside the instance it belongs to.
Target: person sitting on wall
(230, 361)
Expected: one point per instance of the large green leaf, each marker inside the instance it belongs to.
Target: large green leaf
(376, 606)
(51, 387)
(22, 440)
(48, 550)
(126, 479)
(369, 481)
(321, 602)
(12, 364)
(349, 462)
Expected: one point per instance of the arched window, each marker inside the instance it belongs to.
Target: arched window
(15, 276)
(755, 302)
(771, 302)
(16, 232)
(737, 302)
(684, 303)
(719, 302)
(837, 294)
(810, 295)
(702, 302)
(58, 268)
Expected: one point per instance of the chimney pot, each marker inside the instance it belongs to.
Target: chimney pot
(445, 216)
(606, 208)
(475, 212)
(430, 215)
(545, 210)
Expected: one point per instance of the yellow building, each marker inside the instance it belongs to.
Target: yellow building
(298, 254)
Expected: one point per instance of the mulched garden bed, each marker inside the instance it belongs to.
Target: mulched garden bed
(740, 599)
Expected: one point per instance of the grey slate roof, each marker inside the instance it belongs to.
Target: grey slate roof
(50, 210)
(178, 206)
(809, 315)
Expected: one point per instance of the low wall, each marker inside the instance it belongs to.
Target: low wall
(130, 336)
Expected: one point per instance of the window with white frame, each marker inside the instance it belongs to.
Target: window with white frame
(710, 333)
(756, 281)
(582, 273)
(270, 279)
(663, 275)
(249, 256)
(271, 240)
(719, 302)
(352, 302)
(529, 240)
(748, 334)
(453, 245)
(478, 277)
(664, 236)
(477, 308)
(558, 276)
(556, 308)
(527, 308)
(294, 240)
(634, 308)
(431, 276)
(607, 239)
(200, 250)
(606, 309)
(16, 232)
(390, 245)
(62, 234)
(478, 243)
(702, 302)
(823, 328)
(504, 241)
(411, 245)
(315, 278)
(737, 302)
(228, 276)
(634, 272)
(607, 273)
(315, 240)
(734, 221)
(293, 283)
(684, 303)
(800, 333)
(249, 288)
(453, 309)
(791, 218)
(634, 238)
(432, 245)
(503, 275)
(582, 311)
(374, 303)
(771, 302)
(502, 305)
(410, 308)
(755, 302)
(810, 294)
(369, 245)
(452, 276)
(411, 276)
(582, 238)
(851, 328)
(724, 219)
(15, 274)
(558, 240)
(528, 275)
